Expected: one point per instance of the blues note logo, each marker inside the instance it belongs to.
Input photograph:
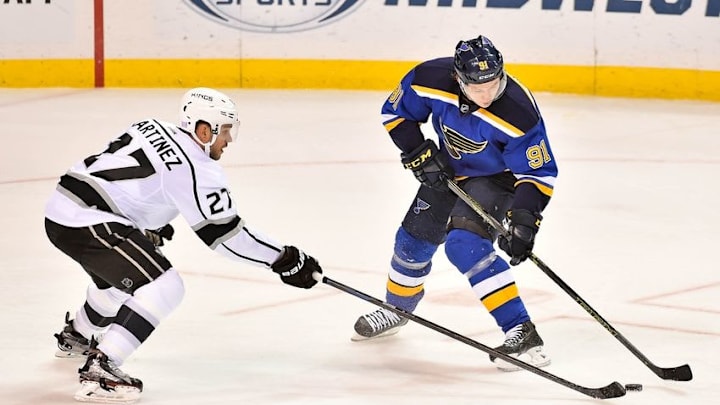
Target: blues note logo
(455, 143)
(420, 206)
(274, 16)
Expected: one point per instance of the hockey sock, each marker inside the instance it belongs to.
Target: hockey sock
(99, 310)
(489, 276)
(409, 267)
(141, 314)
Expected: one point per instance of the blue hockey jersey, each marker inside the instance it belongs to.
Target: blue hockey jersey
(509, 135)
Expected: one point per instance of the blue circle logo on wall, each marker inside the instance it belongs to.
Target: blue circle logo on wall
(274, 16)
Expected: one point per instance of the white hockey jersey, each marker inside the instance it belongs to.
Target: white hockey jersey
(147, 177)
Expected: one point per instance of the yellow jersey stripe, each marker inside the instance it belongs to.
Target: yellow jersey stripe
(499, 123)
(441, 95)
(390, 125)
(548, 191)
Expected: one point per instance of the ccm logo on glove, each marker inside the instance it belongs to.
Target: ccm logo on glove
(429, 165)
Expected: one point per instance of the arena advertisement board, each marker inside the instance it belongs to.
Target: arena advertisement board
(592, 32)
(363, 43)
(274, 16)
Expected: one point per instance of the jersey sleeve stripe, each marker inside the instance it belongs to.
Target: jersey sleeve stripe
(390, 125)
(544, 188)
(257, 240)
(215, 232)
(245, 257)
(262, 242)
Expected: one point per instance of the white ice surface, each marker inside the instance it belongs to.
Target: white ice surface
(633, 228)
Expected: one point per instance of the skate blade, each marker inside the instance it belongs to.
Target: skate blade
(61, 354)
(534, 357)
(359, 338)
(91, 391)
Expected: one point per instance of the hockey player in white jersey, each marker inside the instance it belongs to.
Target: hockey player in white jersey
(110, 210)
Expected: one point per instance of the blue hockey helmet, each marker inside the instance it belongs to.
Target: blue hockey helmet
(478, 61)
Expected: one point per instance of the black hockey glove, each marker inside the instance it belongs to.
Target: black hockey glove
(429, 165)
(156, 236)
(523, 227)
(296, 268)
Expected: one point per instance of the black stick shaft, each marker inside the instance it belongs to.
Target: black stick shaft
(680, 373)
(612, 390)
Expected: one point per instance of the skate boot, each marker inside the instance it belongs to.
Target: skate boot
(523, 343)
(377, 324)
(70, 342)
(102, 381)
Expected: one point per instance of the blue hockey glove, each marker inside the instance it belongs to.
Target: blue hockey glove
(523, 227)
(429, 165)
(296, 268)
(156, 236)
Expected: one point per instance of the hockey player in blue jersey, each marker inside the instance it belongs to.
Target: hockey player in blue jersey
(494, 144)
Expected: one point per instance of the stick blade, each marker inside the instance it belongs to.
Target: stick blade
(613, 390)
(682, 373)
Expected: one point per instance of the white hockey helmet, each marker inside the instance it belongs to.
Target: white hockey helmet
(203, 104)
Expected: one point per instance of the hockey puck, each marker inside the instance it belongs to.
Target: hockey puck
(633, 387)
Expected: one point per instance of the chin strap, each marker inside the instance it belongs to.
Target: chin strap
(205, 145)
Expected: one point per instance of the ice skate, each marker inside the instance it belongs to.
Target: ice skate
(70, 342)
(103, 382)
(524, 343)
(377, 324)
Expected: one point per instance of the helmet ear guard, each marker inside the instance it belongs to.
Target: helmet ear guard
(212, 107)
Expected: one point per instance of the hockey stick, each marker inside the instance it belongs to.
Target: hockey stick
(680, 373)
(613, 390)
